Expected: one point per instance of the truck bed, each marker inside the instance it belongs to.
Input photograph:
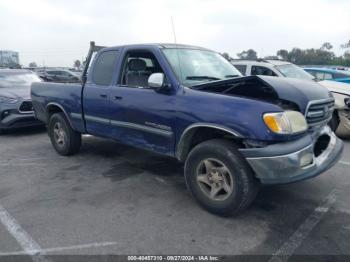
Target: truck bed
(66, 96)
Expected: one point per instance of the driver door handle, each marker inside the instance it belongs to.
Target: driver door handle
(117, 98)
(103, 95)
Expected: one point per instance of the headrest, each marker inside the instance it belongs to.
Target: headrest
(137, 65)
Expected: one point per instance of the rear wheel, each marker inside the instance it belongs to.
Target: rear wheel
(64, 139)
(219, 178)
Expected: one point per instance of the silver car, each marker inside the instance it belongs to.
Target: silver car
(16, 108)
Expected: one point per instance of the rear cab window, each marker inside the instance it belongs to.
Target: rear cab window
(103, 70)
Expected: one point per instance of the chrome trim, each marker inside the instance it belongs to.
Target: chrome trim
(181, 144)
(76, 116)
(142, 128)
(223, 128)
(296, 152)
(313, 102)
(287, 168)
(97, 119)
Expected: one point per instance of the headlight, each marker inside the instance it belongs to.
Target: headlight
(8, 100)
(341, 100)
(288, 122)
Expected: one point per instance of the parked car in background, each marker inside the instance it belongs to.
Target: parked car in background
(233, 133)
(341, 94)
(59, 76)
(16, 108)
(76, 71)
(271, 68)
(282, 68)
(329, 74)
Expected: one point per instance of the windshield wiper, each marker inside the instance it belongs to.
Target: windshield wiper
(229, 76)
(202, 78)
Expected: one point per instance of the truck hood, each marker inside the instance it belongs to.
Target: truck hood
(269, 89)
(16, 92)
(336, 87)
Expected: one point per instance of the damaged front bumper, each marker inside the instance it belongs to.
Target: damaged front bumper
(297, 160)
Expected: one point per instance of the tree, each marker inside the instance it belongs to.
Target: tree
(283, 54)
(250, 54)
(326, 46)
(33, 64)
(295, 55)
(77, 64)
(346, 45)
(226, 56)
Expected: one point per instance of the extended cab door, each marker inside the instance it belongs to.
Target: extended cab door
(96, 96)
(141, 116)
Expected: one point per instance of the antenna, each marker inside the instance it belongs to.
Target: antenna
(177, 48)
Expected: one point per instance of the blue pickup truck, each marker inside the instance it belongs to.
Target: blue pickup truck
(233, 133)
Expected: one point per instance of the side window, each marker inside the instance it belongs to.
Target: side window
(138, 66)
(311, 72)
(103, 70)
(261, 70)
(338, 75)
(241, 68)
(319, 75)
(64, 73)
(328, 76)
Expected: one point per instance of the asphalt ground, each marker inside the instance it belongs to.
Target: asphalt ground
(114, 199)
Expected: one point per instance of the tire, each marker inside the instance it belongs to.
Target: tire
(242, 187)
(64, 139)
(334, 122)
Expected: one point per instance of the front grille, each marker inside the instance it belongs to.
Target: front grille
(319, 112)
(26, 106)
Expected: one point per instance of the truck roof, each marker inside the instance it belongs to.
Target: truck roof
(161, 46)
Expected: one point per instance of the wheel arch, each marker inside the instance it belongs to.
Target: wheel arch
(53, 108)
(200, 132)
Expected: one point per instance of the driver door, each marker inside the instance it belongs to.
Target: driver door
(141, 116)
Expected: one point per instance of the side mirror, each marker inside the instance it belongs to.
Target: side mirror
(156, 80)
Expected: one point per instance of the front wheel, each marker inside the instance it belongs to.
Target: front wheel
(64, 139)
(219, 178)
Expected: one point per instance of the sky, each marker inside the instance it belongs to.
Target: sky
(55, 33)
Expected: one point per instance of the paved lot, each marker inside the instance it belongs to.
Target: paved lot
(113, 199)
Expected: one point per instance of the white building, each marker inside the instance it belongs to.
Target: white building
(9, 58)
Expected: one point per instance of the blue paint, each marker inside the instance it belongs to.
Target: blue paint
(173, 111)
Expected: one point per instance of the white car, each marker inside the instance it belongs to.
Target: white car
(341, 91)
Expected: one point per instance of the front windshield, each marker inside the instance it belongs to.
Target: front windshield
(17, 79)
(193, 66)
(293, 71)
